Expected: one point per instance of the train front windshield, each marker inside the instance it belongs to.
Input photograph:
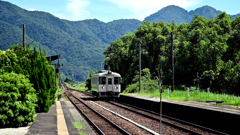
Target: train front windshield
(102, 80)
(116, 80)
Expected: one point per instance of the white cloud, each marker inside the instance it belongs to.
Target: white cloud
(75, 10)
(143, 8)
(31, 9)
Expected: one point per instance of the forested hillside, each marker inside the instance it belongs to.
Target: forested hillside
(180, 15)
(209, 47)
(80, 43)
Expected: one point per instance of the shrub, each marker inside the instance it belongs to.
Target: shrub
(17, 100)
(68, 80)
(88, 81)
(146, 82)
(33, 64)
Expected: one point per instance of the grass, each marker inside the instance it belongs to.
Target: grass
(182, 95)
(78, 125)
(81, 133)
(80, 86)
(198, 96)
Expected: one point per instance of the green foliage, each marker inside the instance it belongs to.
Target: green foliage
(209, 47)
(78, 125)
(68, 80)
(81, 43)
(33, 64)
(198, 96)
(88, 81)
(146, 82)
(17, 100)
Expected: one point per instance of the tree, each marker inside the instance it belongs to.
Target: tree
(33, 64)
(208, 46)
(18, 100)
(68, 80)
(88, 81)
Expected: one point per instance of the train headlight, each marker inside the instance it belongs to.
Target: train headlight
(116, 87)
(102, 87)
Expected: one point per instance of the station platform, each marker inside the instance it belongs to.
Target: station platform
(59, 120)
(203, 105)
(222, 118)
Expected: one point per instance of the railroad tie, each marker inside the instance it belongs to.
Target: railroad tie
(61, 123)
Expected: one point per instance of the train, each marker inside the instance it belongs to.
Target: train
(106, 84)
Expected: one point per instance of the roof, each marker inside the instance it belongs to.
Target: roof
(105, 72)
(55, 57)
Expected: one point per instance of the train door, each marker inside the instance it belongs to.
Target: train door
(109, 83)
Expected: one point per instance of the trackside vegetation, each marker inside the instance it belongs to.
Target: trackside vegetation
(207, 47)
(150, 88)
(27, 80)
(194, 95)
(18, 100)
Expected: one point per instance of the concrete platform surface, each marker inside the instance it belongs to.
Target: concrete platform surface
(14, 131)
(46, 123)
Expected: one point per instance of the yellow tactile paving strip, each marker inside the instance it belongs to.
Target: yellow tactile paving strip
(61, 124)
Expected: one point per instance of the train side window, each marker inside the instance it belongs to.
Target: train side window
(102, 80)
(109, 80)
(116, 80)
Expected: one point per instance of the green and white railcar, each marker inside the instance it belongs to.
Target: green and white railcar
(106, 84)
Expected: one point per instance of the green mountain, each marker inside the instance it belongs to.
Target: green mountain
(80, 43)
(169, 13)
(180, 15)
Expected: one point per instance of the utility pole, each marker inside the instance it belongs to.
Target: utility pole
(23, 35)
(172, 88)
(172, 60)
(140, 45)
(55, 78)
(59, 67)
(159, 78)
(101, 65)
(72, 79)
(139, 67)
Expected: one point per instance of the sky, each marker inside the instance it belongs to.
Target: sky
(109, 10)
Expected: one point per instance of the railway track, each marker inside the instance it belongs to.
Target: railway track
(191, 128)
(151, 119)
(103, 124)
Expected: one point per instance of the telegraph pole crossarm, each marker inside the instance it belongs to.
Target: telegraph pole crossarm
(197, 80)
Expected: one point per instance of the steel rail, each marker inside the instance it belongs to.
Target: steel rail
(99, 131)
(170, 124)
(167, 123)
(109, 121)
(178, 120)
